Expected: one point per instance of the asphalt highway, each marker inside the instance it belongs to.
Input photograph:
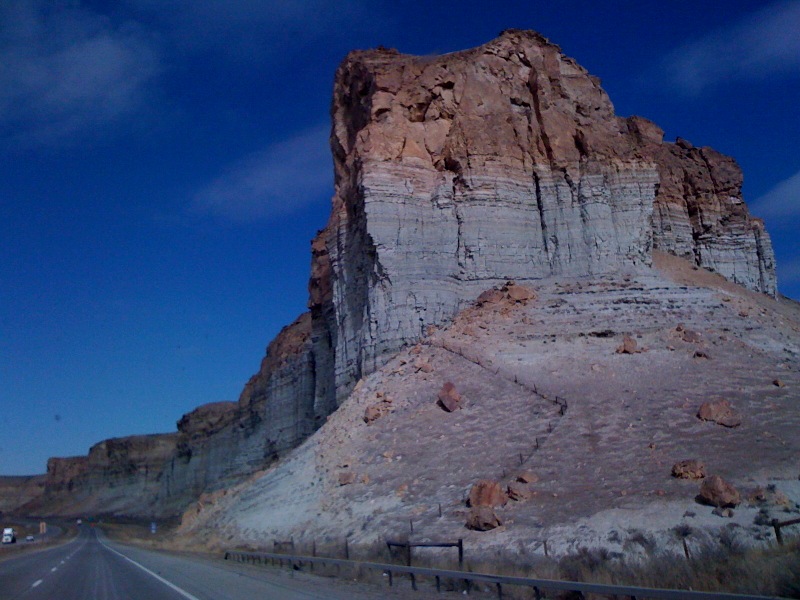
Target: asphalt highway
(90, 567)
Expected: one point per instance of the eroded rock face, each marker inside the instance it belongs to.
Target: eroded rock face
(16, 491)
(455, 173)
(700, 215)
(223, 442)
(216, 444)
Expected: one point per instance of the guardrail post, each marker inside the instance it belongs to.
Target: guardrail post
(536, 593)
(500, 591)
(460, 554)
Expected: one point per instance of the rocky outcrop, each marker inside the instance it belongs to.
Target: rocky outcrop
(215, 446)
(700, 215)
(487, 169)
(507, 161)
(16, 491)
(224, 442)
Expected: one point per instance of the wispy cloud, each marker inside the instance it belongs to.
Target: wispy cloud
(66, 71)
(762, 45)
(781, 201)
(251, 29)
(280, 179)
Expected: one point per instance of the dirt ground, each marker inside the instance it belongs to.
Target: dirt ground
(545, 392)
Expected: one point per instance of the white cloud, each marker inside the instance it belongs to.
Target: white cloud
(762, 45)
(251, 29)
(278, 180)
(781, 201)
(65, 70)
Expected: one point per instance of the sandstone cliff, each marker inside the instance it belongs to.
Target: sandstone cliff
(452, 174)
(224, 442)
(215, 446)
(18, 491)
(507, 161)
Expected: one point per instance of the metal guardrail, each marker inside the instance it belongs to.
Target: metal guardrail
(634, 593)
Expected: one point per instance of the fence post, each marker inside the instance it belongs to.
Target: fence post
(778, 535)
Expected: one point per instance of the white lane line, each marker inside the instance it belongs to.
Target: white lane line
(54, 569)
(183, 593)
(37, 583)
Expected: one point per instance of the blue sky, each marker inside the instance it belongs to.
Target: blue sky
(165, 165)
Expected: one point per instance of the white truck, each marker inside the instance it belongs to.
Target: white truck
(9, 535)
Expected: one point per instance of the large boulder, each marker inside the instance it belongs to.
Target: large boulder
(720, 412)
(449, 398)
(715, 491)
(487, 493)
(482, 518)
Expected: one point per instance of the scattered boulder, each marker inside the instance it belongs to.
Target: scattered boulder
(347, 477)
(778, 383)
(723, 512)
(689, 469)
(449, 398)
(511, 292)
(527, 477)
(518, 293)
(720, 412)
(421, 364)
(628, 346)
(519, 491)
(491, 296)
(487, 493)
(482, 518)
(687, 335)
(373, 412)
(701, 354)
(715, 491)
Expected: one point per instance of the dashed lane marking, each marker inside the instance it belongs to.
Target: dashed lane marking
(182, 592)
(37, 583)
(54, 569)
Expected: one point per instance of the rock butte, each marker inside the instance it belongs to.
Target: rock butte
(453, 174)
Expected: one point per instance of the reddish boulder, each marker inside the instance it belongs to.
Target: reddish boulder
(717, 492)
(527, 477)
(346, 477)
(690, 336)
(449, 398)
(518, 293)
(487, 493)
(491, 296)
(628, 346)
(482, 518)
(720, 412)
(689, 469)
(519, 491)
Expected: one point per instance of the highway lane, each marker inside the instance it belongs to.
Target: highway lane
(82, 569)
(91, 567)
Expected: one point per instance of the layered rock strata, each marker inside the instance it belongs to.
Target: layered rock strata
(506, 161)
(16, 491)
(223, 442)
(216, 444)
(452, 174)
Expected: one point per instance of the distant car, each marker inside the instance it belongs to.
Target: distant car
(29, 538)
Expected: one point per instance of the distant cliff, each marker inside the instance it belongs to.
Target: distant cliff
(452, 174)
